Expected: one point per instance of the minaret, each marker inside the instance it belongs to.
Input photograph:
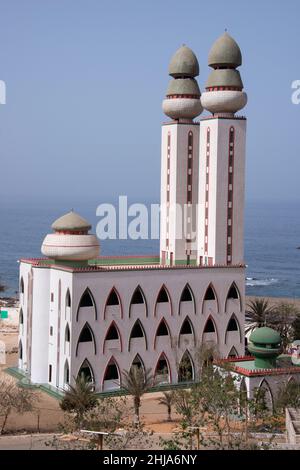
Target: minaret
(179, 161)
(222, 159)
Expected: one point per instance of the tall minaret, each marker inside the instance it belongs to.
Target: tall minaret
(222, 159)
(179, 161)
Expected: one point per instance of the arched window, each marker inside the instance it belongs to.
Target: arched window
(209, 327)
(186, 328)
(66, 373)
(263, 396)
(162, 329)
(67, 334)
(163, 295)
(232, 325)
(111, 378)
(86, 371)
(186, 368)
(112, 333)
(233, 294)
(20, 350)
(22, 285)
(210, 294)
(137, 362)
(87, 301)
(138, 299)
(113, 298)
(233, 352)
(186, 333)
(86, 336)
(233, 330)
(137, 332)
(162, 370)
(187, 304)
(68, 299)
(112, 337)
(21, 317)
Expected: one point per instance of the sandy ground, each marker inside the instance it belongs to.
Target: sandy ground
(47, 414)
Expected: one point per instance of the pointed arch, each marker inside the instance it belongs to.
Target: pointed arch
(186, 330)
(87, 371)
(269, 401)
(67, 334)
(112, 376)
(291, 379)
(186, 370)
(21, 285)
(68, 298)
(210, 295)
(210, 332)
(233, 294)
(233, 329)
(163, 301)
(21, 317)
(113, 334)
(187, 303)
(138, 298)
(20, 350)
(137, 331)
(162, 330)
(232, 352)
(86, 336)
(162, 372)
(138, 362)
(113, 303)
(66, 373)
(87, 301)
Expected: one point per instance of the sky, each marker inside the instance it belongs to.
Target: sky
(85, 80)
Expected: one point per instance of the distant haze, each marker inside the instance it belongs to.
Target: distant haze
(85, 81)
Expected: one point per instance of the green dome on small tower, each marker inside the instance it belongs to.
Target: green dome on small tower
(265, 345)
(184, 63)
(225, 52)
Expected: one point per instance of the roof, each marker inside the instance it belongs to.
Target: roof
(225, 51)
(224, 77)
(71, 221)
(265, 335)
(183, 86)
(184, 63)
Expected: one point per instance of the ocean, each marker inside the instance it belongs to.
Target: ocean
(272, 238)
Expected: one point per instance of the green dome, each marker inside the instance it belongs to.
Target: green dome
(184, 63)
(183, 86)
(224, 77)
(225, 52)
(265, 335)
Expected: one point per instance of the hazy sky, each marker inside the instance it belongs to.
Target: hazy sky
(85, 80)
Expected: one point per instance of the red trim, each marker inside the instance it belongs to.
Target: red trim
(163, 355)
(168, 328)
(206, 207)
(112, 359)
(229, 251)
(187, 318)
(113, 323)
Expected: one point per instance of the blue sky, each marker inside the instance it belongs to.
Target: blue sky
(85, 81)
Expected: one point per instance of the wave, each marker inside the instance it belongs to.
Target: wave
(256, 282)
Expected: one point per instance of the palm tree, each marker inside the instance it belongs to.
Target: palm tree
(258, 314)
(79, 398)
(137, 382)
(167, 400)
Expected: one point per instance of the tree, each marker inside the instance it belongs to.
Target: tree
(14, 398)
(288, 396)
(136, 382)
(167, 400)
(296, 327)
(284, 316)
(79, 398)
(259, 314)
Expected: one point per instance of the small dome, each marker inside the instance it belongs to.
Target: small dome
(265, 335)
(71, 221)
(225, 52)
(224, 77)
(184, 63)
(183, 86)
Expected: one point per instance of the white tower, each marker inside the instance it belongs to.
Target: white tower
(179, 161)
(222, 159)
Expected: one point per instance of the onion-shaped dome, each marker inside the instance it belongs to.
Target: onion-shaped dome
(71, 222)
(183, 86)
(71, 240)
(265, 345)
(224, 101)
(224, 78)
(182, 108)
(265, 336)
(225, 52)
(184, 63)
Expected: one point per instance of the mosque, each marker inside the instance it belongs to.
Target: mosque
(98, 315)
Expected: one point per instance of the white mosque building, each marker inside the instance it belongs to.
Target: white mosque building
(98, 315)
